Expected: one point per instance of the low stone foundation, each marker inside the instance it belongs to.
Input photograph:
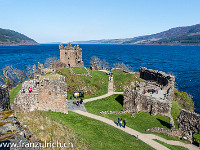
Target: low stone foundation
(170, 132)
(81, 74)
(114, 112)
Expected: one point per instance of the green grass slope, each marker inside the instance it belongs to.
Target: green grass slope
(79, 70)
(141, 122)
(96, 134)
(13, 93)
(95, 86)
(122, 79)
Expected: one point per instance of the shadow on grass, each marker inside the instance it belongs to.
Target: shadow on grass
(164, 123)
(116, 123)
(120, 99)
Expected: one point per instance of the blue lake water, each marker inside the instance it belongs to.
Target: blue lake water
(182, 61)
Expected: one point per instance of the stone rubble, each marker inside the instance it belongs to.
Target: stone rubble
(189, 123)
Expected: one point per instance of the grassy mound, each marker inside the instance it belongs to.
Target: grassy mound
(83, 132)
(79, 70)
(122, 79)
(112, 103)
(13, 93)
(95, 86)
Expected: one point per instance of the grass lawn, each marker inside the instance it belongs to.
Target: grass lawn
(175, 112)
(141, 122)
(79, 70)
(13, 93)
(122, 79)
(97, 135)
(172, 147)
(92, 87)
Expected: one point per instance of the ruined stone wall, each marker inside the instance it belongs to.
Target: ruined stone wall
(189, 123)
(160, 77)
(136, 101)
(71, 56)
(4, 97)
(47, 94)
(170, 132)
(166, 81)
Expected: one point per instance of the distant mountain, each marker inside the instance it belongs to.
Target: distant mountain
(181, 36)
(12, 38)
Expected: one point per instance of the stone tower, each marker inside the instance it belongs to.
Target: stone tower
(71, 56)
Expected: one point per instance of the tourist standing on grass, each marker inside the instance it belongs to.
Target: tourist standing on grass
(120, 122)
(124, 122)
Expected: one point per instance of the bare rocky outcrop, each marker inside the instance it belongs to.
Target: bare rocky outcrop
(4, 97)
(189, 123)
(48, 93)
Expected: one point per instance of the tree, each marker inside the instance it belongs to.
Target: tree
(50, 61)
(8, 76)
(13, 76)
(105, 64)
(29, 72)
(124, 67)
(96, 60)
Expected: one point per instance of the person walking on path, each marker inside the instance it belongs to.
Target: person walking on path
(124, 122)
(120, 122)
(77, 103)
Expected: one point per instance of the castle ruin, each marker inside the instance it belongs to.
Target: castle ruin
(48, 93)
(71, 56)
(154, 95)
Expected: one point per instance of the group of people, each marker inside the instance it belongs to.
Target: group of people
(29, 90)
(78, 102)
(119, 123)
(110, 75)
(154, 91)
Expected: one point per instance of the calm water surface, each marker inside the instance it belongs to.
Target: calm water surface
(182, 61)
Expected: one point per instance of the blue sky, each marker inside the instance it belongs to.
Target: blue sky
(64, 20)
